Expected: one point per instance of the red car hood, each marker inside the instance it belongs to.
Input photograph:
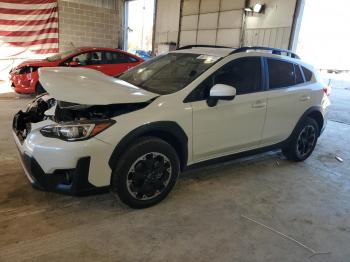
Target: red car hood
(37, 63)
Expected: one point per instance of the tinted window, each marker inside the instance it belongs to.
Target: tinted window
(307, 74)
(281, 73)
(117, 58)
(298, 77)
(244, 74)
(88, 58)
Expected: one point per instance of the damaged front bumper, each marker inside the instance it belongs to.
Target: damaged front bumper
(74, 168)
(69, 181)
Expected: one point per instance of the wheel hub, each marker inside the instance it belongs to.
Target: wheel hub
(149, 175)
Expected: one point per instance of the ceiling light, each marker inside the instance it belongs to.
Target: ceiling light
(258, 8)
(248, 9)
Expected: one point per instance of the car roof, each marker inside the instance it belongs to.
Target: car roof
(89, 48)
(225, 51)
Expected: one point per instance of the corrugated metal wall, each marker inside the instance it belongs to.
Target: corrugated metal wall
(273, 27)
(212, 22)
(219, 22)
(167, 24)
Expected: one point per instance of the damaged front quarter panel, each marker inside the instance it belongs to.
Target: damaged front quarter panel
(46, 107)
(67, 112)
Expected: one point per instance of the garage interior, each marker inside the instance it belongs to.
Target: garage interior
(257, 208)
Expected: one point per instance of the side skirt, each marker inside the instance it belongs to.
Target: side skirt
(238, 155)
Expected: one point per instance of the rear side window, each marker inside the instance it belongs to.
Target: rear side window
(298, 76)
(307, 73)
(281, 73)
(117, 58)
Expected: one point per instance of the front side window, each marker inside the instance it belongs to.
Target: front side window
(168, 73)
(244, 74)
(281, 74)
(88, 58)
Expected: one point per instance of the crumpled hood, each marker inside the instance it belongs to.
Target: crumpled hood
(89, 87)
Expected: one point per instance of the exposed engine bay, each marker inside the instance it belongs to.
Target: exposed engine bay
(66, 112)
(61, 112)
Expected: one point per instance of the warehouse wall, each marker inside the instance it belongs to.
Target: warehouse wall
(213, 22)
(220, 22)
(167, 24)
(88, 24)
(273, 28)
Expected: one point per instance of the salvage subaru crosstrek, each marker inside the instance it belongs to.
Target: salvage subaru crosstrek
(136, 133)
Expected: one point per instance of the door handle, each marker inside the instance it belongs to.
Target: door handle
(305, 98)
(259, 104)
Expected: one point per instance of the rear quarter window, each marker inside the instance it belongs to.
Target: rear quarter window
(308, 74)
(298, 76)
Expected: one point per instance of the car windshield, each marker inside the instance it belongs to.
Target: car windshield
(168, 73)
(61, 55)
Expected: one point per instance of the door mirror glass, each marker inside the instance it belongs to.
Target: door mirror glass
(220, 92)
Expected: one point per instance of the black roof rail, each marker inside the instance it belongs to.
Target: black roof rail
(210, 46)
(275, 51)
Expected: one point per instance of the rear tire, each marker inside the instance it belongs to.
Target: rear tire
(146, 172)
(303, 141)
(39, 89)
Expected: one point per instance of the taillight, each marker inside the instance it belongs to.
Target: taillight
(327, 90)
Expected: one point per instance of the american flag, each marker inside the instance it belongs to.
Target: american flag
(28, 28)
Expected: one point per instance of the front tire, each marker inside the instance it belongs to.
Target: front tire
(146, 172)
(303, 141)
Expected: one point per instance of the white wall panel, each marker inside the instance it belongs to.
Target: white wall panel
(214, 15)
(209, 6)
(273, 28)
(206, 37)
(208, 21)
(230, 19)
(228, 37)
(189, 22)
(272, 37)
(188, 37)
(190, 7)
(232, 4)
(167, 24)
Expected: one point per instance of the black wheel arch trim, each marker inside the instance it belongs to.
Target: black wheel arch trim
(170, 131)
(309, 112)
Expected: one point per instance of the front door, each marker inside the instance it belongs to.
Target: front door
(230, 126)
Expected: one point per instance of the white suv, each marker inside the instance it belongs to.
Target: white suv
(136, 133)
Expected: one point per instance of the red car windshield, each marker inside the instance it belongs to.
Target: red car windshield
(62, 55)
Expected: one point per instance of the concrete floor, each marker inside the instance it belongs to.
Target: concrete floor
(201, 220)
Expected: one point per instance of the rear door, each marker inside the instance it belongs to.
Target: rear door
(288, 98)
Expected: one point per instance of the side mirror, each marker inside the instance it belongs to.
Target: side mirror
(73, 63)
(220, 92)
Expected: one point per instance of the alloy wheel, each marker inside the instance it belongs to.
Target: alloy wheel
(149, 176)
(306, 141)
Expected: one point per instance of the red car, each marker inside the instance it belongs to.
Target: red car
(110, 61)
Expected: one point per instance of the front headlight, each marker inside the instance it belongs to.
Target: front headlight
(76, 130)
